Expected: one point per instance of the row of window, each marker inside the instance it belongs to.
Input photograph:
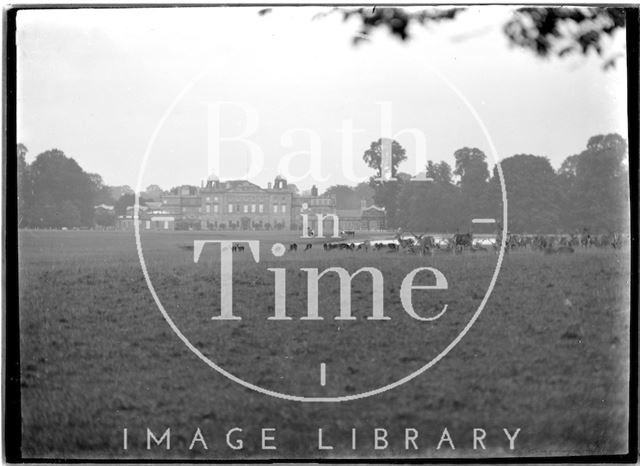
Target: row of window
(246, 208)
(320, 202)
(216, 199)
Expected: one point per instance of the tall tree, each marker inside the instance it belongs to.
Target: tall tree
(473, 172)
(24, 185)
(429, 207)
(439, 172)
(346, 197)
(532, 194)
(58, 183)
(599, 194)
(364, 192)
(471, 166)
(101, 192)
(373, 156)
(386, 192)
(153, 191)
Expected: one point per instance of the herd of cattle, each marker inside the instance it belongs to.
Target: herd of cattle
(460, 242)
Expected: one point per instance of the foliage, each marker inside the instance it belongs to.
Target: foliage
(532, 194)
(472, 169)
(589, 191)
(348, 197)
(127, 200)
(105, 218)
(385, 192)
(373, 156)
(547, 31)
(153, 191)
(429, 206)
(101, 192)
(598, 190)
(440, 173)
(24, 182)
(54, 191)
(563, 31)
(396, 20)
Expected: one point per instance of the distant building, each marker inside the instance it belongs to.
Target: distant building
(370, 218)
(184, 207)
(104, 216)
(103, 207)
(311, 205)
(373, 218)
(150, 217)
(242, 205)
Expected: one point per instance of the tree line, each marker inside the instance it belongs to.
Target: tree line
(589, 191)
(55, 192)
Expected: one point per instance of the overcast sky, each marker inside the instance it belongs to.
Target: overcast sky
(96, 84)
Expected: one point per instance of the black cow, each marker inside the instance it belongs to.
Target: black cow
(462, 240)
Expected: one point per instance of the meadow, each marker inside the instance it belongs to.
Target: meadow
(548, 355)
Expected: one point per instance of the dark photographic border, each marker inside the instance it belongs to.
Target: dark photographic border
(12, 422)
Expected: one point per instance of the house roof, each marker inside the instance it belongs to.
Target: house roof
(235, 185)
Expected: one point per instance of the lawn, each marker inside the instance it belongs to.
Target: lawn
(548, 355)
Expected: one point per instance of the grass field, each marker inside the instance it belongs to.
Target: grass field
(549, 353)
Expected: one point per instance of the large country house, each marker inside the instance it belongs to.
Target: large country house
(242, 205)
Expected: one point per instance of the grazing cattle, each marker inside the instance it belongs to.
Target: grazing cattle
(575, 240)
(234, 247)
(308, 246)
(364, 245)
(445, 244)
(240, 248)
(423, 244)
(462, 240)
(403, 243)
(325, 246)
(293, 247)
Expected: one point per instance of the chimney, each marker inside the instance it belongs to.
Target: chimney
(363, 204)
(269, 185)
(314, 191)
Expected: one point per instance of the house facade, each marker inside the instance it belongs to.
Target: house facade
(367, 218)
(242, 205)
